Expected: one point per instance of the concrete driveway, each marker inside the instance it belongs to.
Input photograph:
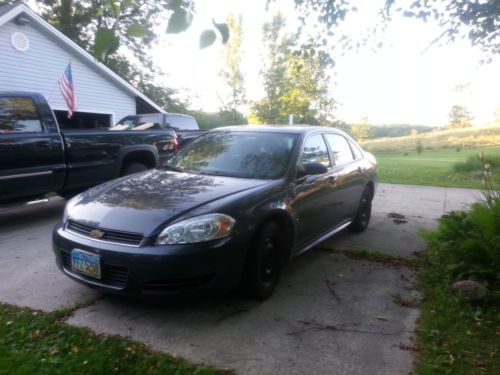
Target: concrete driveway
(330, 315)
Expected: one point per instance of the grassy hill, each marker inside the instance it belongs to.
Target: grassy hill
(437, 167)
(454, 138)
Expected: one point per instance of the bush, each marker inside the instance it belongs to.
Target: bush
(420, 147)
(476, 163)
(466, 245)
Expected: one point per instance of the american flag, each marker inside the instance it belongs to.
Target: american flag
(68, 90)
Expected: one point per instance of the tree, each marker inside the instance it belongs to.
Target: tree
(479, 21)
(460, 117)
(361, 131)
(231, 71)
(295, 83)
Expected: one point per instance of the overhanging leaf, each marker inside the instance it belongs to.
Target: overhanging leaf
(179, 21)
(105, 43)
(207, 38)
(136, 30)
(223, 29)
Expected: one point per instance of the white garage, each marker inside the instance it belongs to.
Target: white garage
(33, 57)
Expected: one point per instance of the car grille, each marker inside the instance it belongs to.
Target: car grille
(108, 235)
(114, 276)
(175, 285)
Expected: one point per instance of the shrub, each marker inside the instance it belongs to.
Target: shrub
(420, 147)
(476, 163)
(466, 245)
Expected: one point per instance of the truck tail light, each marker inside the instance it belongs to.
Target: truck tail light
(175, 142)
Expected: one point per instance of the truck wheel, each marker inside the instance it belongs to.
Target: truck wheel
(133, 168)
(264, 262)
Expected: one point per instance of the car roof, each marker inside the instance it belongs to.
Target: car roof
(292, 129)
(158, 113)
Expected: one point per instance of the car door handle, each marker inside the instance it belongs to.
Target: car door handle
(42, 145)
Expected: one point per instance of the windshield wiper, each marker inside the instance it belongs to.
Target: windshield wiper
(172, 168)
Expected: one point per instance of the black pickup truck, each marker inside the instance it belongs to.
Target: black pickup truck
(185, 126)
(36, 157)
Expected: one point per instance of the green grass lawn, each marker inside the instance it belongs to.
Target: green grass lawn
(33, 342)
(431, 167)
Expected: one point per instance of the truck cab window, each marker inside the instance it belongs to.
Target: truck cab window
(18, 115)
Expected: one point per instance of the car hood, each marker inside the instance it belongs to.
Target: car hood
(144, 203)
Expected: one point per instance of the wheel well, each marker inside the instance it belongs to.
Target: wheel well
(143, 157)
(371, 186)
(285, 222)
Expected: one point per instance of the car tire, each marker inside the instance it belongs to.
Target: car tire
(133, 168)
(264, 262)
(362, 218)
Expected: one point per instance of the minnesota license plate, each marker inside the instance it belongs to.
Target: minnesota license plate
(85, 263)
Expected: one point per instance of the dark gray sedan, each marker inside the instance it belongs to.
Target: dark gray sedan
(228, 209)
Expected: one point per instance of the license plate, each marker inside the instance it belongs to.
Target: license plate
(87, 264)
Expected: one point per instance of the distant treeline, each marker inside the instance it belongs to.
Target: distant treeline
(365, 131)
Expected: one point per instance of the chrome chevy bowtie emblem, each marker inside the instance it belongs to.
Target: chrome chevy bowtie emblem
(96, 233)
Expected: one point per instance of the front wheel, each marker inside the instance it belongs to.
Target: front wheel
(362, 218)
(264, 262)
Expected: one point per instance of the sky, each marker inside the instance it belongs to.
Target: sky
(398, 83)
(404, 82)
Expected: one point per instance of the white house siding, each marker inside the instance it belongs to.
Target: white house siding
(40, 67)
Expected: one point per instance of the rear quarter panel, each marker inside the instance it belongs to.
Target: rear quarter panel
(94, 156)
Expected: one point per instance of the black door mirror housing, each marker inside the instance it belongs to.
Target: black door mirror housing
(312, 168)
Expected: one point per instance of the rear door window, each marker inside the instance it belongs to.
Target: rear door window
(18, 115)
(341, 150)
(315, 150)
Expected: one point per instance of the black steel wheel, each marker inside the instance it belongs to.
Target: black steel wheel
(362, 218)
(264, 262)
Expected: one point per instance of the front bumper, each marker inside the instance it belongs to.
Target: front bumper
(203, 268)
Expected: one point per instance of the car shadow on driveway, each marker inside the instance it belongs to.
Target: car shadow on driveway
(330, 314)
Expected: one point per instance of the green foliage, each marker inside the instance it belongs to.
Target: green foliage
(210, 120)
(434, 168)
(420, 147)
(454, 336)
(361, 132)
(231, 72)
(460, 117)
(136, 30)
(207, 38)
(466, 245)
(472, 19)
(34, 342)
(475, 163)
(106, 42)
(180, 20)
(295, 82)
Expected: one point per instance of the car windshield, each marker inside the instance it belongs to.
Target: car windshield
(256, 155)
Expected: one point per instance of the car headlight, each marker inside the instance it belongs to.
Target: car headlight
(197, 229)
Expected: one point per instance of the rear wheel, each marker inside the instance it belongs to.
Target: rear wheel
(264, 262)
(362, 218)
(133, 168)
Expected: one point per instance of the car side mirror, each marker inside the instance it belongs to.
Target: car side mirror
(312, 168)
